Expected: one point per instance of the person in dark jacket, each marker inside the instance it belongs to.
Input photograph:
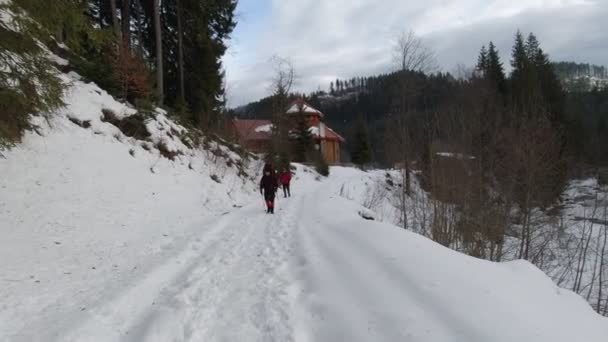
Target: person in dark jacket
(285, 180)
(268, 188)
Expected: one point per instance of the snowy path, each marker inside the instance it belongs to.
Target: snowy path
(228, 285)
(316, 271)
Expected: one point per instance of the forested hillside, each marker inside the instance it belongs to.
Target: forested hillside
(581, 77)
(165, 53)
(579, 113)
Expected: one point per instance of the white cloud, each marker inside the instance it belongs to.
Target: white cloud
(344, 38)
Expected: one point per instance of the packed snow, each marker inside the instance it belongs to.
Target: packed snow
(264, 128)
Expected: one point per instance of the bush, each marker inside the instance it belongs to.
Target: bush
(28, 85)
(129, 74)
(132, 126)
(13, 120)
(165, 152)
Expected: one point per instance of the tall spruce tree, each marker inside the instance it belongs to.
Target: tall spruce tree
(302, 139)
(482, 61)
(519, 59)
(495, 69)
(361, 153)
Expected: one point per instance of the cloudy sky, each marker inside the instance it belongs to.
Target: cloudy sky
(329, 39)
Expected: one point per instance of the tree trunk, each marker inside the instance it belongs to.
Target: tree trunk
(180, 42)
(408, 176)
(126, 23)
(159, 53)
(100, 15)
(140, 28)
(114, 18)
(602, 265)
(404, 202)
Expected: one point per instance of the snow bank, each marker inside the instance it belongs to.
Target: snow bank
(85, 211)
(363, 280)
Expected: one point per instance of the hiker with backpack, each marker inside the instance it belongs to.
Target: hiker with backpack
(268, 188)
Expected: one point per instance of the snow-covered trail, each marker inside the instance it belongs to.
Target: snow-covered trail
(316, 271)
(229, 284)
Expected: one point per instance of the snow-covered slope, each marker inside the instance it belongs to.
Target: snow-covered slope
(368, 281)
(85, 212)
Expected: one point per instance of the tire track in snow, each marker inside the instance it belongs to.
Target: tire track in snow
(230, 285)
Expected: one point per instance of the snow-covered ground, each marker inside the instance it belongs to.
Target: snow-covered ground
(97, 248)
(86, 213)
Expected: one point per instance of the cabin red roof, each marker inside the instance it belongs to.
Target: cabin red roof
(301, 106)
(252, 129)
(330, 134)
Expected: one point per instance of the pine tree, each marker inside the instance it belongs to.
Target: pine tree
(361, 152)
(303, 139)
(532, 47)
(519, 59)
(495, 70)
(28, 82)
(482, 61)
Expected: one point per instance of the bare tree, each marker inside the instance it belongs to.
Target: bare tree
(399, 149)
(411, 54)
(284, 75)
(462, 73)
(603, 264)
(281, 84)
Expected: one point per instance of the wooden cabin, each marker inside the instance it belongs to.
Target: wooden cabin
(255, 135)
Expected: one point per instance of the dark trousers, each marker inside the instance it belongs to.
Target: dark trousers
(269, 198)
(286, 191)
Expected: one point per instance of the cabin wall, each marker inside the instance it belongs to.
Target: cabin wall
(331, 151)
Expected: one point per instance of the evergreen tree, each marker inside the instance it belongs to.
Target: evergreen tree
(303, 139)
(519, 59)
(495, 71)
(532, 47)
(361, 150)
(28, 83)
(482, 61)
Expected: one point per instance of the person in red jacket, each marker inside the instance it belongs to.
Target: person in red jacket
(285, 180)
